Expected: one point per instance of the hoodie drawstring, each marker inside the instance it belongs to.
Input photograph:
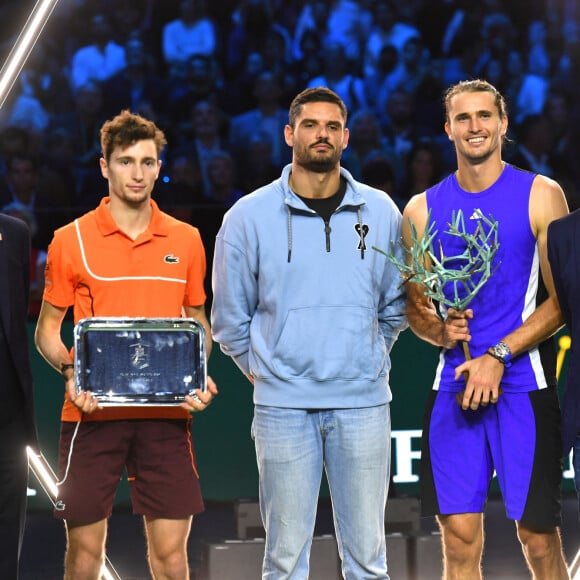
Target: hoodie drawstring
(289, 233)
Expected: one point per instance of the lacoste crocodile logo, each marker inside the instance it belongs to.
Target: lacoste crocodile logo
(171, 259)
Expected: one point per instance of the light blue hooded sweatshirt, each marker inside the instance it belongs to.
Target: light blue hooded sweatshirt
(310, 312)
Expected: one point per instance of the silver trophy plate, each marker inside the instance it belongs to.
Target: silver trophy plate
(139, 361)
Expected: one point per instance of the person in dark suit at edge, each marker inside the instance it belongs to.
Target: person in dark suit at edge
(563, 241)
(17, 422)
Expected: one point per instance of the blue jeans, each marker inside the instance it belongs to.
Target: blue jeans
(293, 446)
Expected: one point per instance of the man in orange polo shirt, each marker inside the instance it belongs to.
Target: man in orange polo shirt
(125, 258)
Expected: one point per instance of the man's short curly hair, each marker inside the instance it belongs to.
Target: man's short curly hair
(126, 129)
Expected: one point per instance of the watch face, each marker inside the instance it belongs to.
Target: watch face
(501, 349)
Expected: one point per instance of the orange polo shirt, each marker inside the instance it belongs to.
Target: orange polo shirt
(100, 271)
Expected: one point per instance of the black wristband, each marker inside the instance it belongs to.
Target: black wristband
(64, 367)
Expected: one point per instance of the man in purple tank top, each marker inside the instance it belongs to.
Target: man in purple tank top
(497, 412)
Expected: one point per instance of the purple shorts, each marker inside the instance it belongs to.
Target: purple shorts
(518, 437)
(157, 454)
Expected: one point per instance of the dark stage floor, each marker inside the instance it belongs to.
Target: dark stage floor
(44, 542)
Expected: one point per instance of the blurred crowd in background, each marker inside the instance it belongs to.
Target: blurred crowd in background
(218, 77)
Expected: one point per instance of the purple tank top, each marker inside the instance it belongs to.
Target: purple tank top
(515, 287)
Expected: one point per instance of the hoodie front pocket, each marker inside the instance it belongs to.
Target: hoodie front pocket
(330, 342)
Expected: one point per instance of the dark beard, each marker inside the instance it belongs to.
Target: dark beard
(318, 165)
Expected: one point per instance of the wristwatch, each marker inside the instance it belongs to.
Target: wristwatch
(501, 351)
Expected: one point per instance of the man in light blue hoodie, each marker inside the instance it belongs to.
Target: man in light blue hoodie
(309, 312)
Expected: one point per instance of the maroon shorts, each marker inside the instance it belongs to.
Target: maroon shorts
(157, 454)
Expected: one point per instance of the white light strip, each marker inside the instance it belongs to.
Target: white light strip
(574, 569)
(24, 45)
(109, 574)
(43, 473)
(47, 479)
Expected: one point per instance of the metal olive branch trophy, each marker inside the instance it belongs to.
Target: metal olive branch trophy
(471, 269)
